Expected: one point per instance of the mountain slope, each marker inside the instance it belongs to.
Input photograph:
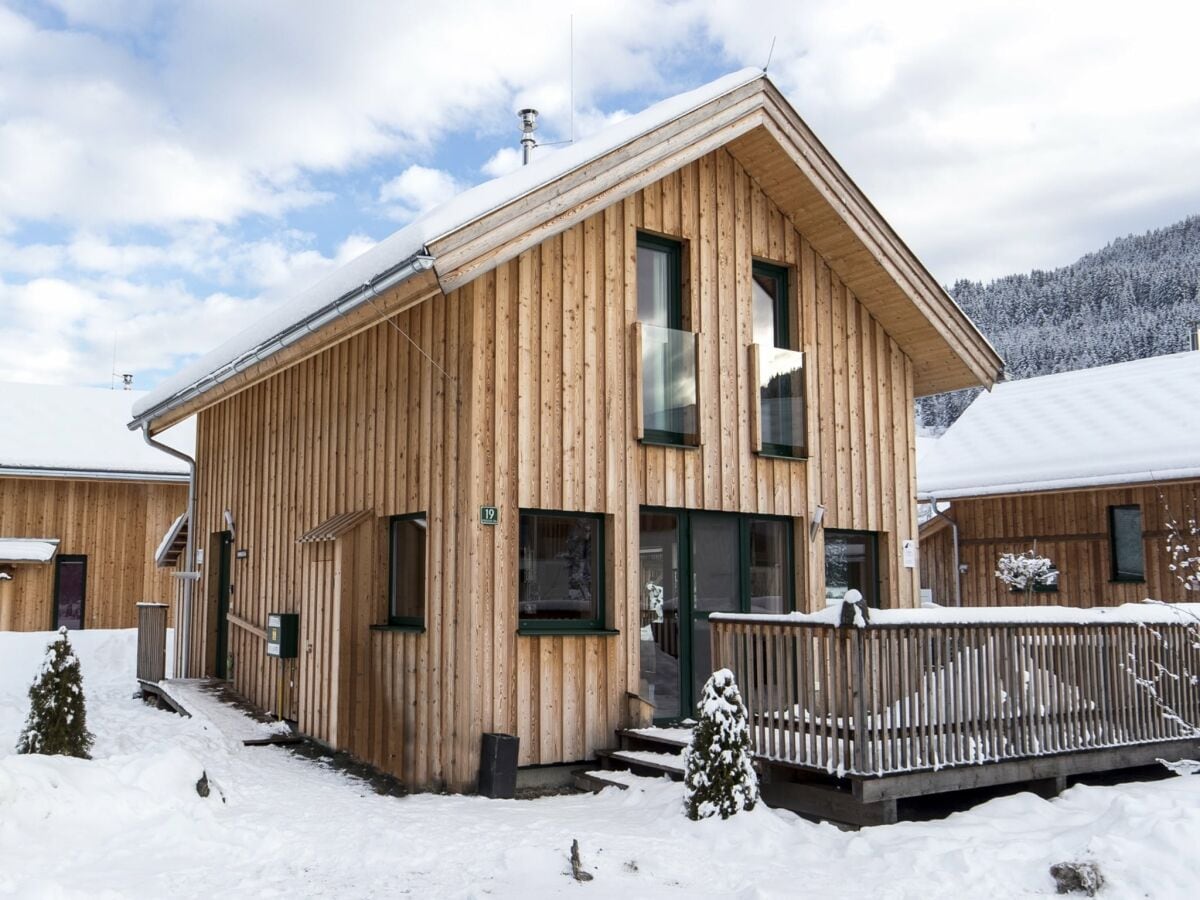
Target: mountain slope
(1134, 298)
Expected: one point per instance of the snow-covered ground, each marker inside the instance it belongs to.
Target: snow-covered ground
(130, 824)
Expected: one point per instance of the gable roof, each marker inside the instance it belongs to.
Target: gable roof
(493, 222)
(79, 431)
(1127, 423)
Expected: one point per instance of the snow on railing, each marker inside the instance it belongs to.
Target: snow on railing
(931, 688)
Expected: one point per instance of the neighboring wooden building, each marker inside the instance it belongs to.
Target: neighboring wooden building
(83, 505)
(1088, 466)
(505, 464)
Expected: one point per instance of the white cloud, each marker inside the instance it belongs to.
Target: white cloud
(503, 161)
(417, 189)
(173, 144)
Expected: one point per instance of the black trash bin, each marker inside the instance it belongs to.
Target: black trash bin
(498, 766)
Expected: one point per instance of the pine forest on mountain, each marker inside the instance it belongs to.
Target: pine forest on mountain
(1133, 299)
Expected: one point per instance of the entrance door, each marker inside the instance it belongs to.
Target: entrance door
(221, 543)
(692, 565)
(70, 590)
(716, 587)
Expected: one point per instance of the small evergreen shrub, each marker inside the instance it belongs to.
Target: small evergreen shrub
(720, 777)
(57, 723)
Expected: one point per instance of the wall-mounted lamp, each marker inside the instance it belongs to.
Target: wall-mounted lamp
(229, 525)
(814, 526)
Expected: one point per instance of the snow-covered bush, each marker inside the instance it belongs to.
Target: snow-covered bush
(720, 778)
(1025, 571)
(57, 723)
(1183, 544)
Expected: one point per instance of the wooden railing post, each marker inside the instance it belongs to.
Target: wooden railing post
(152, 642)
(862, 726)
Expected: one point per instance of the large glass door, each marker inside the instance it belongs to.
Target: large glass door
(694, 564)
(716, 587)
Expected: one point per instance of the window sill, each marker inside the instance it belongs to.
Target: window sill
(766, 454)
(650, 442)
(1127, 581)
(411, 629)
(559, 631)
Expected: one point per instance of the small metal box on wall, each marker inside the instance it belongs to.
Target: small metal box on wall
(283, 635)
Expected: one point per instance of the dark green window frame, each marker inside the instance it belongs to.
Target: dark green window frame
(597, 623)
(872, 539)
(1115, 563)
(408, 623)
(684, 537)
(778, 274)
(674, 251)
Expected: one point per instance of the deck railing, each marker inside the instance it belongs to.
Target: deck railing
(890, 698)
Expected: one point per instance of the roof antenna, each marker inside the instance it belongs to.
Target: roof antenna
(770, 53)
(572, 54)
(528, 127)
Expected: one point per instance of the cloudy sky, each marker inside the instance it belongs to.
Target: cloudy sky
(171, 170)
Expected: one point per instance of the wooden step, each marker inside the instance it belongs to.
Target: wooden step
(595, 781)
(643, 762)
(661, 740)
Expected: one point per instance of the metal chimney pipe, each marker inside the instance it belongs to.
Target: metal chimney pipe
(528, 127)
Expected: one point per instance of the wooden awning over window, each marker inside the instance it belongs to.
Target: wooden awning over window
(23, 551)
(334, 527)
(172, 544)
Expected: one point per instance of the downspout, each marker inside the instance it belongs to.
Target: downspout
(189, 554)
(954, 539)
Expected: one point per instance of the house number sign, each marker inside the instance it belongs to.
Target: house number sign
(489, 515)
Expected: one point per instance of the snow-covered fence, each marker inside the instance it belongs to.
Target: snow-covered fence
(911, 691)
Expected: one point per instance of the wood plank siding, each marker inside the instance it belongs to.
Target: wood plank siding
(115, 524)
(515, 390)
(1072, 529)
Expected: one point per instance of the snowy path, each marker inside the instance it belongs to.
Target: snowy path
(130, 824)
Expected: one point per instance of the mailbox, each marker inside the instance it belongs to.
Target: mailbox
(283, 635)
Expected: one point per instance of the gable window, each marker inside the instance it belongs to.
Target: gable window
(770, 306)
(668, 353)
(1125, 543)
(779, 369)
(406, 595)
(561, 576)
(660, 281)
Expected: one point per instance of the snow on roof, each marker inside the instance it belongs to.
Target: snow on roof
(81, 429)
(451, 216)
(1126, 423)
(27, 550)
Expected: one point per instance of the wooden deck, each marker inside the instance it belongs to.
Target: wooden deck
(871, 715)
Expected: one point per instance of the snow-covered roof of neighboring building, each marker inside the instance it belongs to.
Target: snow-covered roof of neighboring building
(27, 550)
(459, 211)
(1127, 423)
(53, 428)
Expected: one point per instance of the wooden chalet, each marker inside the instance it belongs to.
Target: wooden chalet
(1088, 467)
(505, 465)
(84, 505)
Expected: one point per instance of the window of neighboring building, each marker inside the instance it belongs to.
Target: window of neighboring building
(406, 597)
(852, 562)
(561, 576)
(1125, 543)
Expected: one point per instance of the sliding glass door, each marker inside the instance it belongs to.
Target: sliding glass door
(694, 564)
